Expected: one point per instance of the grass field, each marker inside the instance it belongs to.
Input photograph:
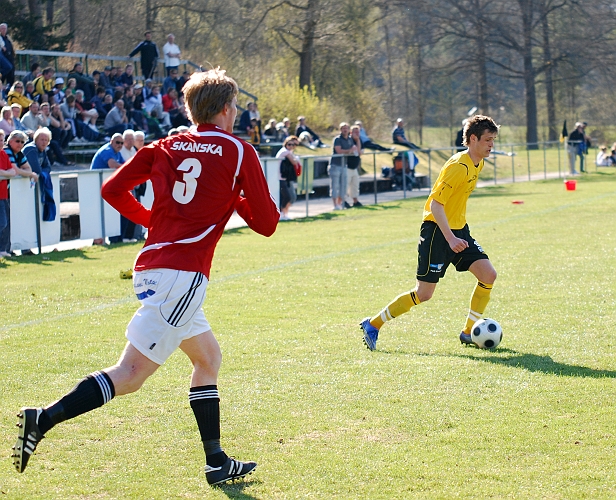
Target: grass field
(422, 417)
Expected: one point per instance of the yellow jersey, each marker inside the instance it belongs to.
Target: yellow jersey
(455, 183)
(42, 86)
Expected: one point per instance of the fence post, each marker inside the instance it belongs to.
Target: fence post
(405, 159)
(102, 202)
(429, 167)
(512, 165)
(375, 182)
(558, 147)
(545, 171)
(494, 169)
(528, 159)
(38, 217)
(305, 173)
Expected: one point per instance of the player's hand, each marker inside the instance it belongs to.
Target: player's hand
(458, 244)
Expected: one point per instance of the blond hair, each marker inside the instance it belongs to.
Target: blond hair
(207, 93)
(42, 131)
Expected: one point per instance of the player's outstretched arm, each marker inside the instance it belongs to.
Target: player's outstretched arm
(117, 189)
(256, 207)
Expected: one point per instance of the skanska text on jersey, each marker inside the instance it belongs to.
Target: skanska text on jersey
(195, 147)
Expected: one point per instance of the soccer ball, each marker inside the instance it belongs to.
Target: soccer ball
(486, 333)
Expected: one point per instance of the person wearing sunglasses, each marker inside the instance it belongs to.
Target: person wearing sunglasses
(108, 155)
(16, 96)
(13, 148)
(289, 166)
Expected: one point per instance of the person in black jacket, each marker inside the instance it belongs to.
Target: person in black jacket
(149, 55)
(460, 137)
(577, 145)
(9, 53)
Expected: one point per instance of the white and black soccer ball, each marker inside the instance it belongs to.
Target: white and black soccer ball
(486, 333)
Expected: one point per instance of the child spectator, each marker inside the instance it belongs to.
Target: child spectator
(254, 133)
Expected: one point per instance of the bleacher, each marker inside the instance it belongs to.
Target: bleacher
(81, 152)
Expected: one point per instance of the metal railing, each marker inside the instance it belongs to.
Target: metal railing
(509, 163)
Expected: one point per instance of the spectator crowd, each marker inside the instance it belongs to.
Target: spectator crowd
(117, 110)
(44, 112)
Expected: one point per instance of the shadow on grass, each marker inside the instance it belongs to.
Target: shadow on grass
(599, 176)
(535, 363)
(491, 192)
(48, 258)
(236, 489)
(323, 217)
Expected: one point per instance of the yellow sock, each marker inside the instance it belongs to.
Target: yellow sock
(400, 305)
(479, 302)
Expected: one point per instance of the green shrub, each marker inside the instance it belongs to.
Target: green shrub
(279, 98)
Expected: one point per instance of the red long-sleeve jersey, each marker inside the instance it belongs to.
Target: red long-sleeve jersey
(197, 178)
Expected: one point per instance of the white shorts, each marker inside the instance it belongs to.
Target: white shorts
(170, 311)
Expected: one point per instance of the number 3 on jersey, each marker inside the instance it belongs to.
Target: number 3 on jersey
(184, 190)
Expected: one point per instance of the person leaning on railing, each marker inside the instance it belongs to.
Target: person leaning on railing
(6, 172)
(13, 149)
(289, 167)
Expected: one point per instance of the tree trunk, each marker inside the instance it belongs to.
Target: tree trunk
(549, 80)
(307, 51)
(34, 6)
(390, 83)
(148, 15)
(49, 9)
(482, 74)
(187, 28)
(529, 74)
(421, 104)
(72, 15)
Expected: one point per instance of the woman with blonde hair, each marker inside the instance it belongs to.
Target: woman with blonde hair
(6, 122)
(16, 96)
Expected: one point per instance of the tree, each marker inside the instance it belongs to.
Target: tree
(21, 25)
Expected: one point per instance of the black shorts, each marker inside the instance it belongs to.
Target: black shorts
(286, 196)
(435, 254)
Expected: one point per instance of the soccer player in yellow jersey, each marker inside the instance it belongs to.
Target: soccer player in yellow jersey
(445, 237)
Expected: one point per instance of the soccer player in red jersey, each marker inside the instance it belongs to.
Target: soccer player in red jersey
(199, 179)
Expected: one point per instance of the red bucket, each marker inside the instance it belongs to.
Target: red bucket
(570, 185)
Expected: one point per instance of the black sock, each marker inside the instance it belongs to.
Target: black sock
(93, 391)
(205, 404)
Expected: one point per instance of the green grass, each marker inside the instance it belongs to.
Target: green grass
(422, 417)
